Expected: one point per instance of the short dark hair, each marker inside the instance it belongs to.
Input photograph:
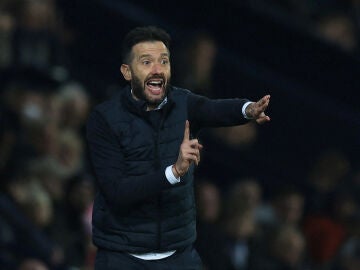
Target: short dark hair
(143, 34)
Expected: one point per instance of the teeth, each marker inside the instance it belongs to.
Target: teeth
(155, 83)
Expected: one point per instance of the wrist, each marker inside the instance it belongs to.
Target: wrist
(247, 110)
(176, 172)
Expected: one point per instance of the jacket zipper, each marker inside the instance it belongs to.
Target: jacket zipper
(157, 165)
(159, 222)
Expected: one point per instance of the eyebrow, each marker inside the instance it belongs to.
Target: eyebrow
(149, 55)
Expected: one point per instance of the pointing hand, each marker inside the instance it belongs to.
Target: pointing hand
(189, 153)
(256, 110)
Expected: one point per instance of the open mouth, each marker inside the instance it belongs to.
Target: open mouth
(155, 85)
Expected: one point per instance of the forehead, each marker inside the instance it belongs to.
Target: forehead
(149, 48)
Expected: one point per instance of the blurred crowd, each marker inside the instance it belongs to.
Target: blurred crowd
(314, 226)
(47, 186)
(334, 21)
(251, 224)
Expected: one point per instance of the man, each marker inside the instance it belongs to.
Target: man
(144, 156)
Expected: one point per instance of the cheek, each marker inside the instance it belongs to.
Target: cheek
(140, 75)
(168, 72)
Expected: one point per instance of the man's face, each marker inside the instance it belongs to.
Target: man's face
(149, 72)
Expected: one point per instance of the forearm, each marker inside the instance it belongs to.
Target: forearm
(216, 113)
(122, 191)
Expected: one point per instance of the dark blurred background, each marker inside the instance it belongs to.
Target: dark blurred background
(284, 195)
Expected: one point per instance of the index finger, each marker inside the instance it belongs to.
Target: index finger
(263, 103)
(187, 131)
(264, 100)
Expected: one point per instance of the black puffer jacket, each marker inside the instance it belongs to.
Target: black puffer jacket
(136, 209)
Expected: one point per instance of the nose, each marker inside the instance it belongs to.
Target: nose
(156, 68)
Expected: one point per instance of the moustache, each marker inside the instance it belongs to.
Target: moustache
(156, 76)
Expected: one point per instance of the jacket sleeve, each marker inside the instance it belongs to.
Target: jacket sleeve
(207, 112)
(108, 164)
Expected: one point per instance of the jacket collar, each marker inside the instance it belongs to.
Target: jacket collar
(139, 106)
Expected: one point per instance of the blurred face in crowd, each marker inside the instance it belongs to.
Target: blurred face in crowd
(71, 105)
(290, 209)
(240, 224)
(148, 72)
(39, 14)
(32, 264)
(204, 56)
(289, 247)
(209, 202)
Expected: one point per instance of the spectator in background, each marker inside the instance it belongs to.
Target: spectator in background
(242, 205)
(199, 55)
(37, 205)
(286, 208)
(76, 238)
(70, 153)
(324, 223)
(73, 103)
(285, 251)
(339, 29)
(36, 40)
(210, 240)
(32, 264)
(51, 177)
(7, 26)
(27, 114)
(209, 201)
(325, 178)
(240, 230)
(245, 192)
(327, 232)
(25, 236)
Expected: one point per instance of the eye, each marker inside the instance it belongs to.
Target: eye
(164, 61)
(146, 62)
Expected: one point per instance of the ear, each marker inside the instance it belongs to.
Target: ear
(126, 72)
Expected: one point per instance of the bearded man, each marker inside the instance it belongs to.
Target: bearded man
(144, 154)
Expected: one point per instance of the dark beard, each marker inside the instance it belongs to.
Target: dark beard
(138, 89)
